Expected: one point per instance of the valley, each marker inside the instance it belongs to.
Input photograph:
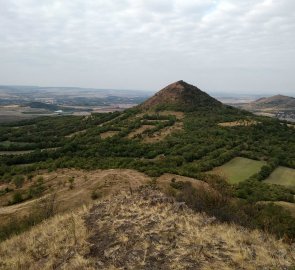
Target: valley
(21, 103)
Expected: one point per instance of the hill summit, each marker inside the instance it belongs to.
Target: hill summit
(180, 95)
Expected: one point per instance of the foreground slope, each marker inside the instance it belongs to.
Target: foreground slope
(143, 229)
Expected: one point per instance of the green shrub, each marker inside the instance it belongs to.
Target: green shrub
(37, 188)
(253, 190)
(17, 198)
(222, 205)
(40, 211)
(95, 195)
(18, 181)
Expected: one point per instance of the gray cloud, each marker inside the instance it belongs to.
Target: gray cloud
(233, 45)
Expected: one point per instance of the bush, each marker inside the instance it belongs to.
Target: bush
(18, 181)
(253, 191)
(36, 189)
(17, 198)
(40, 211)
(95, 195)
(71, 181)
(222, 205)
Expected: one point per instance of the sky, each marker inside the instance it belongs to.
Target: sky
(239, 46)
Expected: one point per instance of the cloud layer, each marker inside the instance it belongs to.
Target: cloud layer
(234, 45)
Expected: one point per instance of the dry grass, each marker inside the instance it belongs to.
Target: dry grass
(59, 243)
(288, 206)
(104, 182)
(163, 133)
(178, 115)
(164, 181)
(142, 230)
(139, 131)
(244, 123)
(108, 134)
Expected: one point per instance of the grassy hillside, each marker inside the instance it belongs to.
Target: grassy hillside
(282, 176)
(239, 169)
(142, 230)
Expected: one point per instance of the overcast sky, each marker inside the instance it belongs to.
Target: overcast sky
(221, 45)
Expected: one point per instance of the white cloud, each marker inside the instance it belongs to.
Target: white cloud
(221, 44)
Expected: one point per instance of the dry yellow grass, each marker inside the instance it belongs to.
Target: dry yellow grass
(245, 123)
(104, 182)
(108, 134)
(139, 131)
(164, 181)
(142, 230)
(53, 244)
(178, 115)
(288, 206)
(163, 133)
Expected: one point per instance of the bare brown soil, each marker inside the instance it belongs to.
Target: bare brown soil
(108, 134)
(178, 115)
(139, 131)
(163, 133)
(245, 123)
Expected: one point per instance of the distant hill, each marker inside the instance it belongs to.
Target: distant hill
(274, 102)
(182, 96)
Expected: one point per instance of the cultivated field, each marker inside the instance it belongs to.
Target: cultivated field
(238, 169)
(282, 176)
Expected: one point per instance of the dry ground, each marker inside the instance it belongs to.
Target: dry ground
(108, 134)
(139, 131)
(163, 133)
(142, 230)
(245, 123)
(103, 182)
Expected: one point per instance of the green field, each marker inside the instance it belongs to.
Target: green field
(238, 169)
(282, 176)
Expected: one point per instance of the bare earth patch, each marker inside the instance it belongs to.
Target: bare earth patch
(178, 115)
(163, 133)
(245, 123)
(108, 134)
(139, 131)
